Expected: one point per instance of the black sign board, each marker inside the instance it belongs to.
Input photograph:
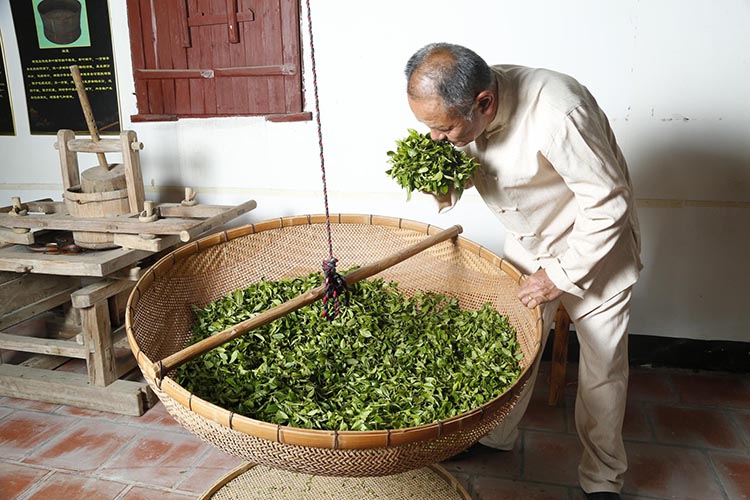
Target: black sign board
(6, 110)
(52, 36)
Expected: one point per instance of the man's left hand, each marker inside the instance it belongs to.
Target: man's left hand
(538, 289)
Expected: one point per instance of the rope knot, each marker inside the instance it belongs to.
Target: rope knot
(335, 288)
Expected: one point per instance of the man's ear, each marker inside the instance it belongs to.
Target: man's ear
(485, 99)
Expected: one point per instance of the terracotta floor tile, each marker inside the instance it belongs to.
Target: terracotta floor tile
(669, 472)
(743, 421)
(571, 380)
(156, 458)
(490, 488)
(85, 446)
(29, 404)
(579, 495)
(463, 480)
(551, 458)
(74, 366)
(541, 387)
(646, 384)
(155, 417)
(695, 427)
(62, 486)
(544, 375)
(488, 462)
(542, 417)
(212, 466)
(734, 474)
(162, 460)
(140, 493)
(83, 412)
(570, 414)
(712, 389)
(15, 479)
(635, 426)
(22, 431)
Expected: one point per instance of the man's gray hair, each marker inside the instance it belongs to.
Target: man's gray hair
(458, 77)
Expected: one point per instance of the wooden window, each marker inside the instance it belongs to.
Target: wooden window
(202, 58)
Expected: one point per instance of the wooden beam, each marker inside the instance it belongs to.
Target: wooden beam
(97, 334)
(9, 236)
(100, 263)
(55, 347)
(197, 211)
(47, 207)
(177, 74)
(68, 160)
(118, 224)
(136, 242)
(26, 205)
(559, 356)
(88, 146)
(21, 290)
(133, 176)
(99, 291)
(44, 362)
(30, 310)
(122, 396)
(217, 220)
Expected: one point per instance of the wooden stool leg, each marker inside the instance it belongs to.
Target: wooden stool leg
(97, 332)
(559, 356)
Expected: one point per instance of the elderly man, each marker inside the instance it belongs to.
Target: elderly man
(551, 171)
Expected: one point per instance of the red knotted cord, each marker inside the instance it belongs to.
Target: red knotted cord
(335, 286)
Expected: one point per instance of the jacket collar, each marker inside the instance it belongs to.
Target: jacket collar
(505, 103)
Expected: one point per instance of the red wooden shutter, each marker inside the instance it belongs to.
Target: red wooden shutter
(215, 57)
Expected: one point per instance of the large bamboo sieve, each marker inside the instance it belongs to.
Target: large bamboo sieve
(159, 319)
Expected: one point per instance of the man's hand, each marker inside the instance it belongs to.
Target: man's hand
(448, 200)
(445, 201)
(538, 289)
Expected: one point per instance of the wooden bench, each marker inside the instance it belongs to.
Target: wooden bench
(559, 356)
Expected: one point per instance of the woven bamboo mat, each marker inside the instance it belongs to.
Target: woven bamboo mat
(257, 482)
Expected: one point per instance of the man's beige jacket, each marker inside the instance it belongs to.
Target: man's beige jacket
(552, 172)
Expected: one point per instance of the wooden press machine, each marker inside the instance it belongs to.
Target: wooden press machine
(117, 235)
(105, 206)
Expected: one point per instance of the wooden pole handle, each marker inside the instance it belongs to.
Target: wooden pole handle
(161, 368)
(217, 220)
(88, 113)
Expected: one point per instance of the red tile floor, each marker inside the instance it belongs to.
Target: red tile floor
(687, 435)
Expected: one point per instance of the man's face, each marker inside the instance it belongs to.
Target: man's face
(445, 125)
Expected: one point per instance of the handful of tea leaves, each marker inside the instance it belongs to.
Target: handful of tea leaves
(421, 164)
(388, 361)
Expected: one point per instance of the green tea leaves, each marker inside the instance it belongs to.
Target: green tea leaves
(421, 164)
(388, 361)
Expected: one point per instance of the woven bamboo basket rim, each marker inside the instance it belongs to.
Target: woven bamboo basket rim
(238, 471)
(330, 439)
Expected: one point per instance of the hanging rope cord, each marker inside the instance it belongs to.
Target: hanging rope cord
(335, 286)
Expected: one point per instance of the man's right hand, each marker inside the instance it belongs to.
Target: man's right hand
(445, 201)
(448, 200)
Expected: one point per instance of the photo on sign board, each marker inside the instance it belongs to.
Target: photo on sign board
(61, 23)
(52, 36)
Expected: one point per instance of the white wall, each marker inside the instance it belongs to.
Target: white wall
(674, 77)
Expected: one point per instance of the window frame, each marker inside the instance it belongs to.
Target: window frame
(169, 84)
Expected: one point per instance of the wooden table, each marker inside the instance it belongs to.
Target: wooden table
(92, 287)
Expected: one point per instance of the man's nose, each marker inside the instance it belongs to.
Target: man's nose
(437, 135)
